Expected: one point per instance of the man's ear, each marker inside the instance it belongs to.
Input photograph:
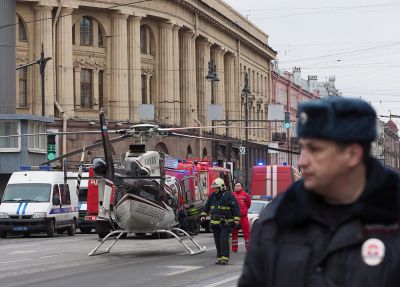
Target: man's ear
(355, 154)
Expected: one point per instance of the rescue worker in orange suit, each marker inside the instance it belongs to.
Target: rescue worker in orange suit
(243, 198)
(225, 214)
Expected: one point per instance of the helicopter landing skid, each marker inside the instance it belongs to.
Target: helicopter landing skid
(198, 248)
(119, 232)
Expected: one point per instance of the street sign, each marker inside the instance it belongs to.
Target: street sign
(242, 150)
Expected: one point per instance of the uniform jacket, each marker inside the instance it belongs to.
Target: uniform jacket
(290, 246)
(222, 206)
(243, 198)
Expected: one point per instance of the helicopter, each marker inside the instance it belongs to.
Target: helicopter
(136, 195)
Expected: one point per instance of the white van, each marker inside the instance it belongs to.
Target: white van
(38, 201)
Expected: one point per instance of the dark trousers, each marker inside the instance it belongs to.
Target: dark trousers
(221, 239)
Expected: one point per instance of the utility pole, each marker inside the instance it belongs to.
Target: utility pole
(246, 92)
(42, 65)
(212, 76)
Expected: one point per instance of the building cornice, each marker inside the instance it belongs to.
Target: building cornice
(224, 23)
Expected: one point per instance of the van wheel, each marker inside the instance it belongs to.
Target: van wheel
(71, 230)
(27, 235)
(50, 229)
(3, 234)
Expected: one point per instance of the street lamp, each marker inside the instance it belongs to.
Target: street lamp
(246, 92)
(42, 65)
(212, 76)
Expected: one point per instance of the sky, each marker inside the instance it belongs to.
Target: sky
(357, 41)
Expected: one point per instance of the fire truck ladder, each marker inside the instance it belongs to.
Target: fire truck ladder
(197, 249)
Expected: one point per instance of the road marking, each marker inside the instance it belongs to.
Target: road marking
(15, 261)
(23, 251)
(185, 269)
(16, 245)
(222, 281)
(50, 256)
(33, 258)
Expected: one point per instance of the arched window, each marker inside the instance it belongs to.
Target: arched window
(22, 35)
(204, 153)
(189, 152)
(86, 30)
(161, 147)
(146, 41)
(89, 33)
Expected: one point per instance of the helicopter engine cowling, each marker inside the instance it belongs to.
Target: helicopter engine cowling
(99, 167)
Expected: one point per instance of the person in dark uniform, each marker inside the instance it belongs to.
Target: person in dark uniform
(225, 214)
(339, 224)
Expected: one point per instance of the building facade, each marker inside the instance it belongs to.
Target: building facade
(288, 90)
(117, 56)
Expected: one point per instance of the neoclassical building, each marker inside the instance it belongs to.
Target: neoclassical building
(118, 54)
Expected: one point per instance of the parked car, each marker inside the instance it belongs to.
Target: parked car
(258, 203)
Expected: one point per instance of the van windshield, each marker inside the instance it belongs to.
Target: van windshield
(33, 192)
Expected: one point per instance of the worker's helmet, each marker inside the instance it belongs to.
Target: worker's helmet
(218, 183)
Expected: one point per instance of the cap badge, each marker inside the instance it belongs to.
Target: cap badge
(303, 118)
(373, 252)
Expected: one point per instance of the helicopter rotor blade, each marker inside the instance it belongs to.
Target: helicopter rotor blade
(89, 147)
(200, 137)
(190, 128)
(106, 145)
(54, 133)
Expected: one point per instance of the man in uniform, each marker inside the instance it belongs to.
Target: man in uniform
(339, 225)
(243, 198)
(224, 212)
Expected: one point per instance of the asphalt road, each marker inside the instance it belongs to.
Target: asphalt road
(135, 261)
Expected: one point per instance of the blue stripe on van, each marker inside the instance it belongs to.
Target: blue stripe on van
(19, 207)
(23, 210)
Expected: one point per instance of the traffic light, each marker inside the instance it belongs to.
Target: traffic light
(287, 125)
(51, 147)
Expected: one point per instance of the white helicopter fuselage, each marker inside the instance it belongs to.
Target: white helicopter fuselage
(139, 215)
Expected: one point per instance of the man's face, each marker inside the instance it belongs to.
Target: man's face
(215, 189)
(238, 187)
(323, 163)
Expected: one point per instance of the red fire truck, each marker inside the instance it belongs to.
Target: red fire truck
(272, 180)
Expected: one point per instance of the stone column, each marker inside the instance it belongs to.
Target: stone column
(188, 78)
(65, 72)
(203, 85)
(230, 91)
(218, 55)
(43, 34)
(77, 92)
(135, 91)
(165, 102)
(176, 89)
(119, 99)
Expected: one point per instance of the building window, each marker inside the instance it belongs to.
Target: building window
(101, 89)
(73, 35)
(143, 40)
(86, 30)
(37, 143)
(22, 36)
(86, 88)
(100, 37)
(23, 87)
(146, 41)
(12, 143)
(144, 89)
